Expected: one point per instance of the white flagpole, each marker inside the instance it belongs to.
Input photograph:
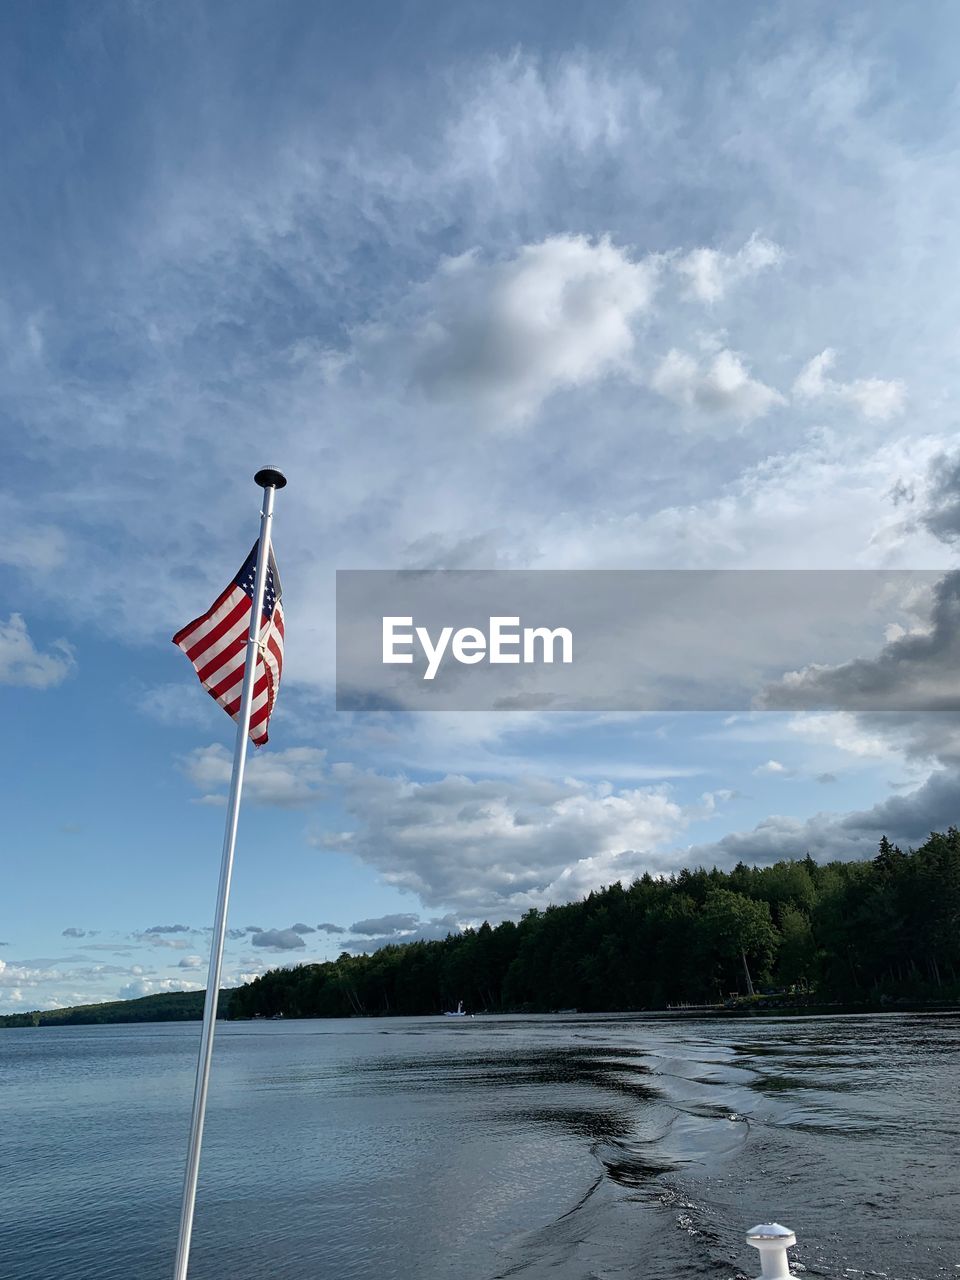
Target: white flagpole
(271, 480)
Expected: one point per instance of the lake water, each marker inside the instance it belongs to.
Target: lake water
(428, 1149)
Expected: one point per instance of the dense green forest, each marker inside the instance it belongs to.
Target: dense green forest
(170, 1006)
(858, 932)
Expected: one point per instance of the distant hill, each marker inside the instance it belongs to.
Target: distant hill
(171, 1006)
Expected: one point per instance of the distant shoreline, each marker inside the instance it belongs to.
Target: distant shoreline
(188, 1007)
(169, 1006)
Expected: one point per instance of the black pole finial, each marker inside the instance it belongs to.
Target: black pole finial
(268, 476)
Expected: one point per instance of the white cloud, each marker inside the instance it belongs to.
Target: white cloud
(772, 768)
(15, 975)
(842, 730)
(154, 986)
(504, 336)
(720, 385)
(190, 962)
(241, 977)
(876, 398)
(820, 504)
(22, 663)
(518, 843)
(284, 778)
(710, 273)
(45, 983)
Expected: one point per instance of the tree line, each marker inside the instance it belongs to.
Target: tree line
(881, 930)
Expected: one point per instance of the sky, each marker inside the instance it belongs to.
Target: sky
(539, 286)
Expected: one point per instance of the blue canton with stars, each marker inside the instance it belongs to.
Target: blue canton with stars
(247, 576)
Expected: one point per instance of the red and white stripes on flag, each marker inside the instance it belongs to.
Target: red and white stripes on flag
(216, 644)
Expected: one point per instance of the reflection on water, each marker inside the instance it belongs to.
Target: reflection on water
(413, 1148)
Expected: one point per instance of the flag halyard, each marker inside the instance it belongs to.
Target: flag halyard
(216, 644)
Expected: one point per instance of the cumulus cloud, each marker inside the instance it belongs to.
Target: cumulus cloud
(278, 940)
(519, 843)
(17, 975)
(913, 672)
(53, 984)
(287, 779)
(79, 933)
(22, 663)
(393, 930)
(899, 706)
(327, 927)
(168, 928)
(900, 703)
(842, 730)
(240, 977)
(155, 986)
(402, 922)
(715, 385)
(710, 273)
(906, 819)
(875, 398)
(300, 928)
(505, 335)
(190, 962)
(772, 768)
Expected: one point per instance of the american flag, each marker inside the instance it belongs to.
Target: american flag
(216, 644)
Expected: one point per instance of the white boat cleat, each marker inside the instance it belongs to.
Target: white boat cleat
(772, 1240)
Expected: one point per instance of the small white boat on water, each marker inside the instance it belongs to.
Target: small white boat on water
(458, 1012)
